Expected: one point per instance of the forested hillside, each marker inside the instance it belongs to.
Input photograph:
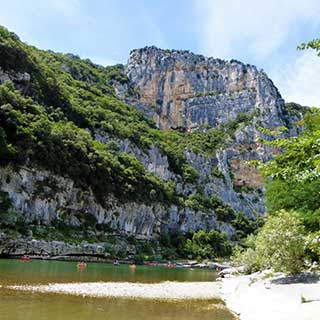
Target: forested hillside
(83, 156)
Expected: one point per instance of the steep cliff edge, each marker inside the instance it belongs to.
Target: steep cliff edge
(190, 91)
(80, 163)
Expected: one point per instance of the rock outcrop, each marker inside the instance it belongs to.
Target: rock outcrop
(182, 90)
(44, 198)
(20, 79)
(179, 90)
(189, 91)
(34, 247)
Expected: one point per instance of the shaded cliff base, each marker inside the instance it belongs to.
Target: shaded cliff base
(121, 249)
(118, 248)
(266, 296)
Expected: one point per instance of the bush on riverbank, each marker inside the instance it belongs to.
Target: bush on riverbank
(280, 245)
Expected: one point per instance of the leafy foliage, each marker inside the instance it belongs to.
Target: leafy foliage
(195, 245)
(293, 176)
(215, 172)
(313, 44)
(245, 226)
(279, 245)
(208, 245)
(117, 73)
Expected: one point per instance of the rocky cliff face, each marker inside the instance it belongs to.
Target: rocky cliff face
(45, 198)
(179, 90)
(189, 91)
(182, 90)
(20, 79)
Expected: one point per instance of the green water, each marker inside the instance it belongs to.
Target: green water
(18, 305)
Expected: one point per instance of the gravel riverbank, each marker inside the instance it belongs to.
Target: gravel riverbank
(162, 291)
(262, 295)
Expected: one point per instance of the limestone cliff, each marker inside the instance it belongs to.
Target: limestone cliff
(189, 91)
(44, 198)
(179, 90)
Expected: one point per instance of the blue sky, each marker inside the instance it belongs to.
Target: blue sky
(264, 33)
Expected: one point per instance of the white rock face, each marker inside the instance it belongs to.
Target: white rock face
(20, 79)
(191, 90)
(43, 197)
(22, 246)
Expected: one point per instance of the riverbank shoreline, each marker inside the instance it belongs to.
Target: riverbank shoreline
(266, 296)
(215, 266)
(262, 295)
(169, 290)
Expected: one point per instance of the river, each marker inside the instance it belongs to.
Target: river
(26, 305)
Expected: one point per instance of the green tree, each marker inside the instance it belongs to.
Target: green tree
(293, 176)
(280, 245)
(210, 244)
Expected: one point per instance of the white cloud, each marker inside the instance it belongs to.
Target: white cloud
(240, 28)
(300, 81)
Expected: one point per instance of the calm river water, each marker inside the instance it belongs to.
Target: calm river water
(18, 305)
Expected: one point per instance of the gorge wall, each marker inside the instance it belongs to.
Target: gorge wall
(180, 91)
(190, 91)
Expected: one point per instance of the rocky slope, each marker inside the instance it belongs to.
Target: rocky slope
(189, 92)
(179, 90)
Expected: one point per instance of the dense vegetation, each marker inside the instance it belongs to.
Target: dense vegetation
(290, 239)
(280, 244)
(194, 245)
(51, 121)
(28, 135)
(294, 176)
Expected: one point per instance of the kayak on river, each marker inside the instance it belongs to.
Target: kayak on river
(81, 265)
(25, 258)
